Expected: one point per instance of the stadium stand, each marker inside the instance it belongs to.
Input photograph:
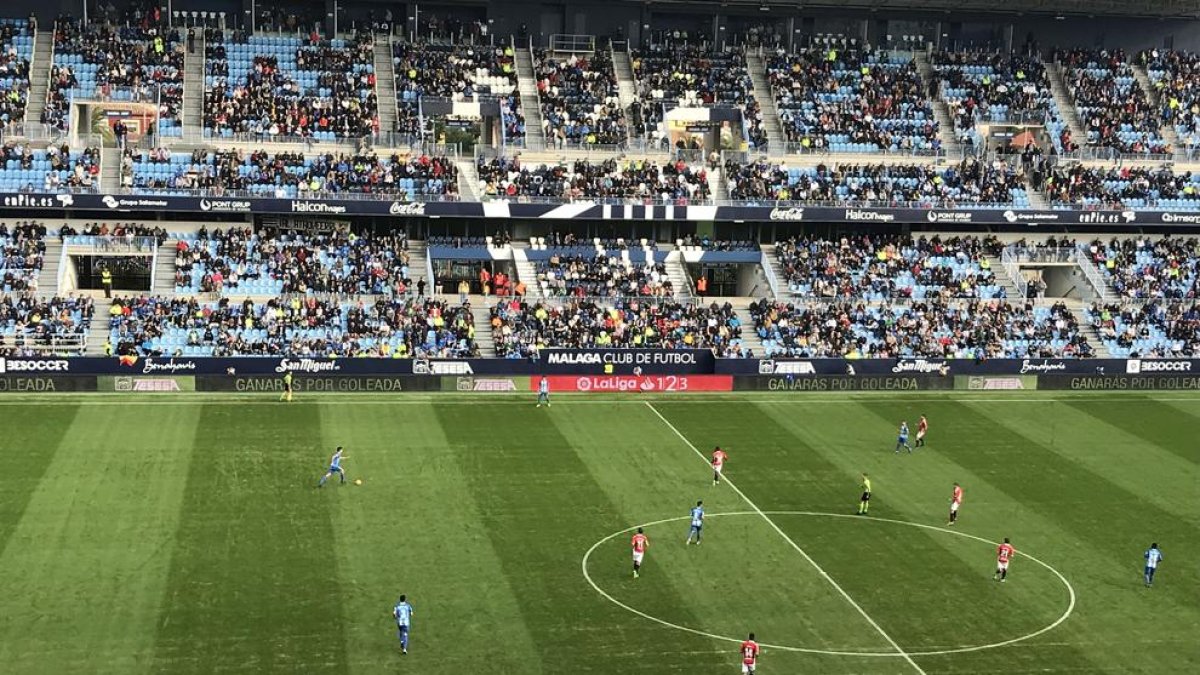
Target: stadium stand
(852, 101)
(883, 267)
(579, 100)
(23, 248)
(1156, 329)
(689, 75)
(1123, 187)
(142, 62)
(31, 321)
(520, 329)
(595, 275)
(274, 86)
(293, 174)
(613, 181)
(384, 328)
(1142, 268)
(1112, 106)
(16, 50)
(986, 86)
(51, 169)
(968, 184)
(938, 328)
(456, 72)
(244, 262)
(1175, 76)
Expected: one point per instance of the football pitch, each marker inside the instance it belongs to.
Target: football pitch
(186, 535)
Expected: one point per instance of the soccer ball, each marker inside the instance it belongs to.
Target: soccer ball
(358, 482)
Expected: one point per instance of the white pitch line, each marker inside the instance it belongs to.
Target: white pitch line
(836, 586)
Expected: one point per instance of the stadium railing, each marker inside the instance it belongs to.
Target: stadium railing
(1092, 273)
(1010, 259)
(222, 193)
(112, 244)
(59, 345)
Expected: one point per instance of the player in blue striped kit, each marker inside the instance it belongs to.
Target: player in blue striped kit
(1153, 558)
(697, 523)
(543, 392)
(402, 613)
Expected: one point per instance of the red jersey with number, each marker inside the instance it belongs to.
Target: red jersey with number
(1004, 553)
(719, 458)
(957, 498)
(922, 426)
(639, 543)
(749, 652)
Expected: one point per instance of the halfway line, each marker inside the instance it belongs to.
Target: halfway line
(796, 546)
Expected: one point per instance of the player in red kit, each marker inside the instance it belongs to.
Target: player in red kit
(1003, 554)
(718, 463)
(922, 427)
(955, 502)
(639, 543)
(749, 652)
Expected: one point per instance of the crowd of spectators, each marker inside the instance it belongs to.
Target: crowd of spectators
(115, 231)
(385, 328)
(283, 86)
(690, 75)
(239, 260)
(39, 322)
(16, 48)
(292, 174)
(55, 167)
(458, 72)
(970, 183)
(939, 328)
(1113, 109)
(22, 252)
(1176, 79)
(141, 60)
(1156, 329)
(890, 266)
(602, 276)
(993, 87)
(1144, 268)
(520, 329)
(862, 101)
(1124, 187)
(579, 99)
(617, 181)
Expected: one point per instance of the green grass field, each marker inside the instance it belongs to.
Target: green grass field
(184, 535)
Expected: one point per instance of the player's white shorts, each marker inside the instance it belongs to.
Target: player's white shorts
(1002, 565)
(718, 468)
(637, 557)
(747, 669)
(953, 507)
(920, 435)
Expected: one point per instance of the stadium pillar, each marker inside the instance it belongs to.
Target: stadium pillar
(331, 19)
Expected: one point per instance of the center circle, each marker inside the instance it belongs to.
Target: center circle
(833, 652)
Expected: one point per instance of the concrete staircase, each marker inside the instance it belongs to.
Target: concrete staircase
(39, 76)
(1066, 102)
(626, 89)
(750, 339)
(528, 273)
(777, 271)
(1003, 280)
(1037, 198)
(1092, 333)
(482, 315)
(535, 138)
(468, 180)
(418, 265)
(163, 281)
(385, 84)
(941, 110)
(678, 275)
(762, 94)
(98, 330)
(716, 184)
(193, 90)
(47, 280)
(1167, 129)
(110, 169)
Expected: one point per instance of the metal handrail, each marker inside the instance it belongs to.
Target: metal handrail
(1092, 273)
(1010, 261)
(220, 193)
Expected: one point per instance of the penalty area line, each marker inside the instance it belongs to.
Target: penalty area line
(825, 575)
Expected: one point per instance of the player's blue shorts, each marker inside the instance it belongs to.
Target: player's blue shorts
(696, 529)
(902, 439)
(335, 469)
(402, 627)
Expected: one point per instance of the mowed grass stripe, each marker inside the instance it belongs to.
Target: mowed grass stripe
(254, 584)
(413, 528)
(86, 565)
(745, 577)
(910, 572)
(1119, 457)
(1171, 427)
(31, 439)
(1092, 530)
(542, 509)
